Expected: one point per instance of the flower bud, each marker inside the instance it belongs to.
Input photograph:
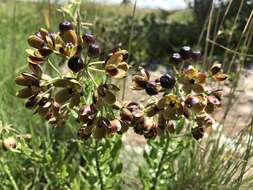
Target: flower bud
(88, 38)
(196, 56)
(195, 104)
(152, 110)
(151, 89)
(167, 81)
(93, 50)
(31, 102)
(9, 143)
(75, 64)
(151, 133)
(65, 26)
(185, 52)
(84, 133)
(197, 132)
(175, 58)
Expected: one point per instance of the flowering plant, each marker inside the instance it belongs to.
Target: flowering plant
(68, 79)
(99, 111)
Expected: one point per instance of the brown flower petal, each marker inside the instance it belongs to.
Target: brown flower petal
(115, 58)
(196, 104)
(197, 133)
(124, 128)
(35, 41)
(31, 102)
(213, 100)
(70, 36)
(36, 69)
(123, 66)
(152, 110)
(198, 88)
(216, 68)
(126, 115)
(63, 95)
(43, 111)
(67, 82)
(35, 60)
(111, 70)
(121, 74)
(220, 77)
(25, 93)
(26, 79)
(201, 78)
(34, 53)
(190, 72)
(45, 51)
(75, 100)
(209, 108)
(109, 97)
(114, 126)
(139, 82)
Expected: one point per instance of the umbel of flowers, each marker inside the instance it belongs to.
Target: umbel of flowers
(55, 94)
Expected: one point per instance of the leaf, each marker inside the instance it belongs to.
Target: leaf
(147, 158)
(180, 125)
(116, 149)
(118, 168)
(142, 174)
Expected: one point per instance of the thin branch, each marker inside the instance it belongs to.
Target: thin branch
(54, 68)
(161, 162)
(228, 49)
(99, 169)
(129, 48)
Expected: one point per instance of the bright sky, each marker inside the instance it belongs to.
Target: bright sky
(163, 4)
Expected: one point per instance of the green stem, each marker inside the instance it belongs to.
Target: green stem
(129, 48)
(96, 63)
(97, 70)
(54, 68)
(160, 165)
(99, 169)
(8, 173)
(93, 80)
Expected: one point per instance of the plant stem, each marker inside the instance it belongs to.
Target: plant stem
(129, 48)
(96, 63)
(98, 169)
(209, 25)
(54, 68)
(92, 78)
(97, 70)
(155, 179)
(8, 173)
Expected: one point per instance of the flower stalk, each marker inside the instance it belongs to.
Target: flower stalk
(100, 177)
(160, 165)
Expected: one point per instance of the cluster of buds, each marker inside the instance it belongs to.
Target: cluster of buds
(185, 54)
(57, 94)
(184, 94)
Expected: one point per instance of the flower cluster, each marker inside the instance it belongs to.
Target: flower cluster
(68, 86)
(185, 94)
(55, 98)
